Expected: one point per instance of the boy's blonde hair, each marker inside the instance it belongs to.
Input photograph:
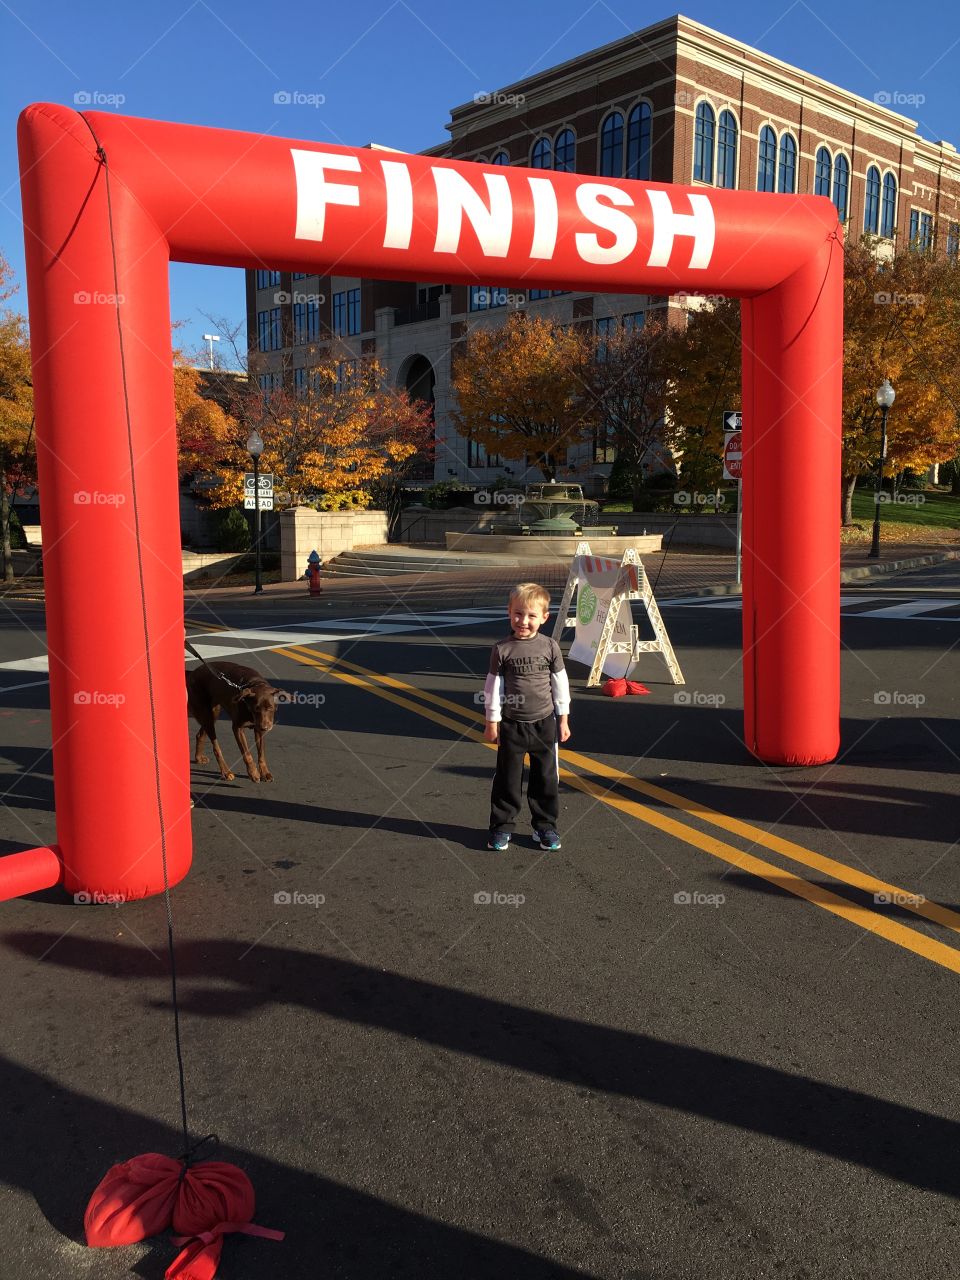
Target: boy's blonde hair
(528, 593)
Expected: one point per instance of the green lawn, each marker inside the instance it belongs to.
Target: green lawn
(935, 510)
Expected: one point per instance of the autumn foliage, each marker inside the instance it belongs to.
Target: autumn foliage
(523, 388)
(339, 437)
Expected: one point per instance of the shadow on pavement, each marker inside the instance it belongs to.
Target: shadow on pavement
(896, 1141)
(58, 1144)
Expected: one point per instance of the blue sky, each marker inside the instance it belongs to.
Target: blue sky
(389, 71)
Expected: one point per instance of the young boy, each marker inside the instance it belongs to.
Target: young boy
(521, 721)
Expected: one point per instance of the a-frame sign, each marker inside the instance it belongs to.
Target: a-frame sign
(603, 602)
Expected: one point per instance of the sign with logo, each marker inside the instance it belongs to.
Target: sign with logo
(732, 454)
(732, 420)
(595, 598)
(266, 491)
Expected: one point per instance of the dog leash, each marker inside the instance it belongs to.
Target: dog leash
(219, 674)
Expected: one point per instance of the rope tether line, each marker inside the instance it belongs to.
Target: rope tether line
(188, 1149)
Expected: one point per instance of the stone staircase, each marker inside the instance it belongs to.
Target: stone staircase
(382, 561)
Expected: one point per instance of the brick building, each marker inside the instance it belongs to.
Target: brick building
(676, 102)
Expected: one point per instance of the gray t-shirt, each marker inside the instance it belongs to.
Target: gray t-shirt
(525, 666)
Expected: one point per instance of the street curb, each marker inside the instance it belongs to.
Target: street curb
(846, 575)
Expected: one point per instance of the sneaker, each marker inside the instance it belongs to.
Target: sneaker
(498, 840)
(547, 839)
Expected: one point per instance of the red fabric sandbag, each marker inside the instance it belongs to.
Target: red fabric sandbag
(132, 1201)
(144, 1196)
(614, 688)
(634, 686)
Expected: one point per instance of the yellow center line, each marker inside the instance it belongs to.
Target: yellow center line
(932, 911)
(393, 690)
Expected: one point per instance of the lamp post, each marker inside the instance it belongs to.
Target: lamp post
(211, 338)
(885, 398)
(255, 448)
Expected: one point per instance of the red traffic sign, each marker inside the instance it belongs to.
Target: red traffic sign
(732, 454)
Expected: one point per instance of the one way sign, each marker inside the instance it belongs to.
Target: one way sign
(732, 420)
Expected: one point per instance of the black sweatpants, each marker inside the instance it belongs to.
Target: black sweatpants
(538, 739)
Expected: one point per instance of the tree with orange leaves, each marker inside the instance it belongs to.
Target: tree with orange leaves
(348, 430)
(524, 387)
(17, 447)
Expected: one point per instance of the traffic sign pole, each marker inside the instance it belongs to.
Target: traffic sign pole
(732, 461)
(258, 583)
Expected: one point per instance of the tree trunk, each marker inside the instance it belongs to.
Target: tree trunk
(847, 486)
(548, 466)
(955, 486)
(636, 490)
(5, 527)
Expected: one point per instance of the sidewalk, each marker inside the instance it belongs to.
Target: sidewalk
(671, 573)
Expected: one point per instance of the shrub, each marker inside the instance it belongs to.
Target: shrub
(234, 532)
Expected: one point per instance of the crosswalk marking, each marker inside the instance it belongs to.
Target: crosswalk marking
(851, 606)
(217, 644)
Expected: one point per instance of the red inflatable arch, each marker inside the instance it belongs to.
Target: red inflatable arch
(109, 200)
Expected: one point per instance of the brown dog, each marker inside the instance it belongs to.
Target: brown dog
(252, 705)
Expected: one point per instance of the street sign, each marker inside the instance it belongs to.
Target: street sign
(732, 454)
(250, 502)
(266, 483)
(732, 420)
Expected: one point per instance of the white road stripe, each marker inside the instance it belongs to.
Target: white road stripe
(912, 609)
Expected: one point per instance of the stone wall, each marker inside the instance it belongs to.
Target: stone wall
(303, 530)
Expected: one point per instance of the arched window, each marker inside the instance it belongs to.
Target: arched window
(787, 176)
(611, 146)
(871, 208)
(727, 150)
(542, 155)
(821, 182)
(841, 183)
(767, 160)
(888, 206)
(638, 142)
(703, 143)
(564, 151)
(501, 158)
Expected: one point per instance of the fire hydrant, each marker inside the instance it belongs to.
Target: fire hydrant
(314, 564)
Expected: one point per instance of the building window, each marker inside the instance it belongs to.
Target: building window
(313, 320)
(888, 206)
(346, 374)
(727, 150)
(638, 142)
(484, 297)
(871, 207)
(477, 456)
(611, 146)
(353, 311)
(339, 314)
(300, 382)
(953, 240)
(541, 157)
(564, 152)
(269, 382)
(299, 275)
(299, 324)
(501, 158)
(268, 279)
(921, 230)
(703, 143)
(633, 320)
(841, 183)
(787, 173)
(767, 160)
(268, 330)
(824, 170)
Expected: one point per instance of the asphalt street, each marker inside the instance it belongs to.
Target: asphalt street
(714, 1036)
